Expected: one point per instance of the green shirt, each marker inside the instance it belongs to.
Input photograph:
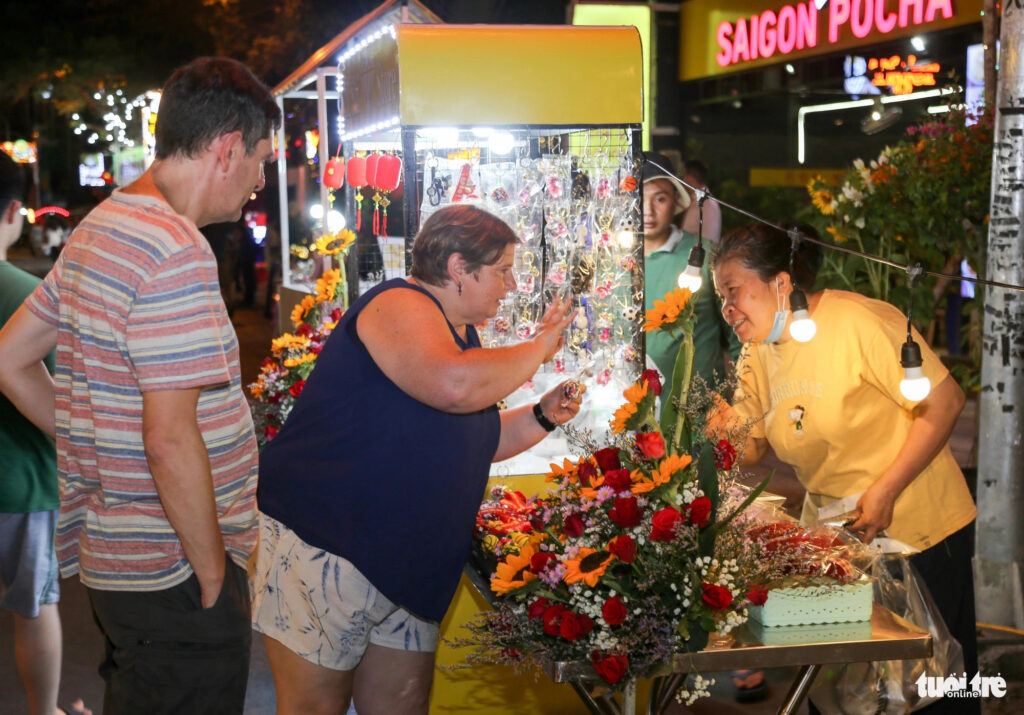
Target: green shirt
(711, 334)
(28, 458)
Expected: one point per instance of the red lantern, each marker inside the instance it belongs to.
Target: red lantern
(371, 169)
(334, 173)
(389, 173)
(387, 179)
(356, 171)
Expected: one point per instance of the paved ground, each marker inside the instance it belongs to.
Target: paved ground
(1001, 652)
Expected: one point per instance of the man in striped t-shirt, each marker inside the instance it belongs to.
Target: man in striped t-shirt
(156, 454)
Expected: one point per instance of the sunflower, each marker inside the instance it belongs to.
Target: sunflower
(301, 310)
(588, 566)
(288, 342)
(300, 360)
(514, 572)
(331, 244)
(623, 416)
(666, 311)
(824, 201)
(327, 286)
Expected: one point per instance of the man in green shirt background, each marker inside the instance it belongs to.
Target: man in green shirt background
(28, 494)
(666, 250)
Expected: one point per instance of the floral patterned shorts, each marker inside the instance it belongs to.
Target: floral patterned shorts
(322, 608)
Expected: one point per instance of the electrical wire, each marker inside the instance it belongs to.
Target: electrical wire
(844, 249)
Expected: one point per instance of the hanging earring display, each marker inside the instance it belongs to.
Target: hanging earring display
(356, 175)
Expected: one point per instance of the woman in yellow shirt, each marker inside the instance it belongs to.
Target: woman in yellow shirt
(832, 408)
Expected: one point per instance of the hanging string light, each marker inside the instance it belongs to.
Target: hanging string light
(691, 278)
(802, 328)
(915, 385)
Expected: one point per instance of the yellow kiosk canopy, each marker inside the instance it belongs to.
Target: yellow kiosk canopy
(479, 75)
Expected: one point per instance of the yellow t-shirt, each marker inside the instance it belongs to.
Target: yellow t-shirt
(833, 409)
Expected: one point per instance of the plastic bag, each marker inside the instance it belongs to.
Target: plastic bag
(889, 687)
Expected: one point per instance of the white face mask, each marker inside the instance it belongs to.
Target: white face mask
(781, 315)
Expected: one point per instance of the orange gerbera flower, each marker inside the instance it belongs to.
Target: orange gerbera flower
(588, 566)
(633, 394)
(669, 467)
(514, 572)
(568, 469)
(288, 342)
(667, 310)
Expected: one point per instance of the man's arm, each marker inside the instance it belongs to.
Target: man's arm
(25, 341)
(180, 466)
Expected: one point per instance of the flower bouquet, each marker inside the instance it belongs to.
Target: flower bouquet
(635, 556)
(293, 355)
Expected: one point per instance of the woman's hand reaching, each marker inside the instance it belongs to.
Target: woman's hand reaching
(562, 402)
(557, 318)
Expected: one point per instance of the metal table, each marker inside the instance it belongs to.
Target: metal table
(888, 637)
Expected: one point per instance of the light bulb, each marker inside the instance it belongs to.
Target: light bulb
(915, 386)
(691, 279)
(803, 327)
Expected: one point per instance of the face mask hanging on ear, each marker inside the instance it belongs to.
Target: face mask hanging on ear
(781, 315)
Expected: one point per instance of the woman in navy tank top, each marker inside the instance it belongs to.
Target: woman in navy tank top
(369, 492)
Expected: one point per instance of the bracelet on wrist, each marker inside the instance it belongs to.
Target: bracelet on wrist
(542, 419)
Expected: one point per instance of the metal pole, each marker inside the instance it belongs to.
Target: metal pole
(999, 558)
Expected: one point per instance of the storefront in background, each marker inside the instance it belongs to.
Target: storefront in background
(813, 84)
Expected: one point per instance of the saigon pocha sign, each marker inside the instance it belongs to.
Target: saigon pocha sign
(731, 35)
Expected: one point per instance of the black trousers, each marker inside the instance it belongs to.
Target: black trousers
(167, 654)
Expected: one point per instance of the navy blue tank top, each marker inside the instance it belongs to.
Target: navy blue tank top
(366, 472)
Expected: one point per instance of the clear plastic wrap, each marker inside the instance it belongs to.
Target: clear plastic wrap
(890, 686)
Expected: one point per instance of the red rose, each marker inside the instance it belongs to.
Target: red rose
(315, 349)
(618, 479)
(587, 472)
(575, 625)
(653, 380)
(725, 455)
(757, 595)
(336, 314)
(304, 330)
(573, 525)
(608, 459)
(540, 561)
(718, 597)
(651, 444)
(663, 524)
(624, 548)
(270, 432)
(625, 512)
(611, 668)
(267, 362)
(699, 511)
(537, 608)
(296, 389)
(614, 611)
(553, 618)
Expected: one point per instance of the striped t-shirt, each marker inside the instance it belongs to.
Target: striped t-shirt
(135, 299)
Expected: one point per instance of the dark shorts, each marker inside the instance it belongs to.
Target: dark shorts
(166, 654)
